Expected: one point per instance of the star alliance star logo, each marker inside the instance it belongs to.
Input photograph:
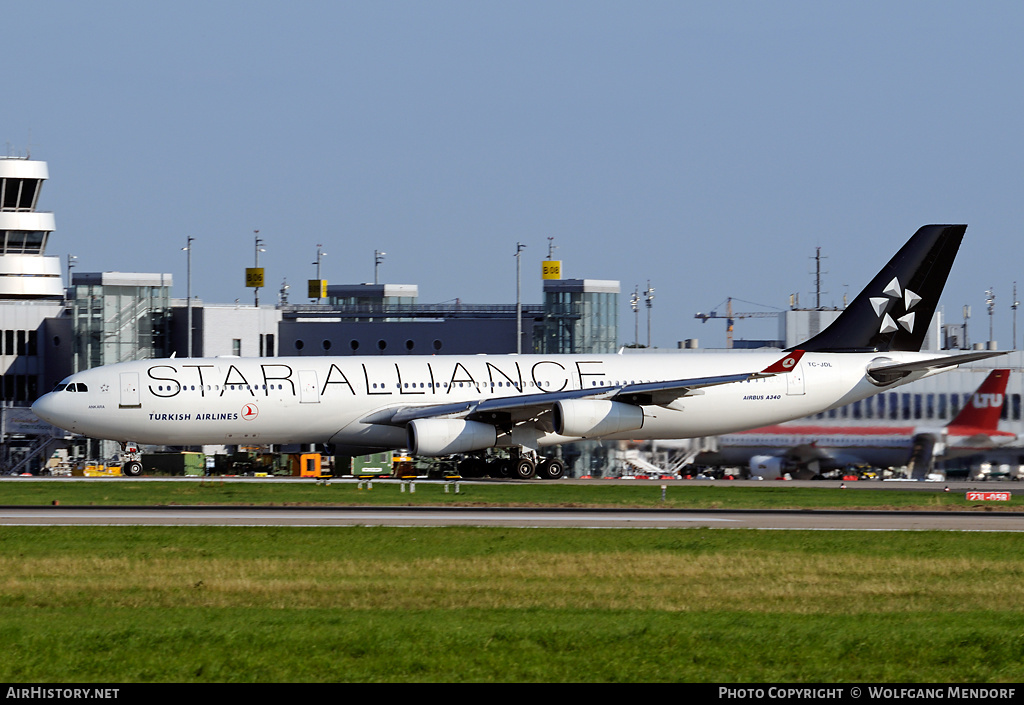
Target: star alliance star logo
(893, 293)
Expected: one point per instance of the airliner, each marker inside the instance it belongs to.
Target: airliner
(447, 405)
(772, 451)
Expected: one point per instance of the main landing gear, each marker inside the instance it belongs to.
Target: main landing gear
(132, 465)
(521, 464)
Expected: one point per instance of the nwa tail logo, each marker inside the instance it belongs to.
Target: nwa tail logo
(987, 401)
(889, 305)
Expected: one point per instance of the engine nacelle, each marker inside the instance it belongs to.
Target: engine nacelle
(767, 467)
(447, 436)
(590, 418)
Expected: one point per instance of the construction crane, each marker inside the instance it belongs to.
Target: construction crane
(731, 316)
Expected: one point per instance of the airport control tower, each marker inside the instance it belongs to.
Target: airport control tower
(35, 343)
(25, 270)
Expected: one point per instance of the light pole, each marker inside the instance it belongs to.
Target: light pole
(649, 298)
(519, 306)
(634, 302)
(259, 249)
(320, 254)
(378, 257)
(71, 264)
(967, 315)
(990, 301)
(1014, 306)
(188, 287)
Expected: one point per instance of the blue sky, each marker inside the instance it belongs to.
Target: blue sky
(708, 147)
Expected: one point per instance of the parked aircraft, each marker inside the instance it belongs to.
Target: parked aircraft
(443, 405)
(772, 451)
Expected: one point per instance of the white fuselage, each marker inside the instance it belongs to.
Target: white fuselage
(342, 400)
(831, 447)
(879, 446)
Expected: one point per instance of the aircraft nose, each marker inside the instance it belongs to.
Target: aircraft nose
(45, 408)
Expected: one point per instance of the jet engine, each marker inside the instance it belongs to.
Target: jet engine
(590, 418)
(767, 467)
(447, 436)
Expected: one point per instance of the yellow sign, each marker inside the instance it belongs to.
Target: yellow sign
(254, 277)
(318, 288)
(552, 269)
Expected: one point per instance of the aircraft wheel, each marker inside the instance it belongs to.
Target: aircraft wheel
(132, 469)
(551, 469)
(523, 469)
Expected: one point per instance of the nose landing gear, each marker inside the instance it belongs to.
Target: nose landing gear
(132, 466)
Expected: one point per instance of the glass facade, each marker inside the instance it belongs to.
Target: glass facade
(580, 316)
(900, 406)
(19, 194)
(23, 242)
(116, 322)
(377, 301)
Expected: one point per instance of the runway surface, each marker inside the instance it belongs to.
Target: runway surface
(526, 518)
(853, 520)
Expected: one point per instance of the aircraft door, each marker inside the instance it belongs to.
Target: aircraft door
(309, 391)
(130, 397)
(795, 380)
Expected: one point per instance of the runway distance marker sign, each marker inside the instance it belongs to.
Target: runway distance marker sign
(988, 496)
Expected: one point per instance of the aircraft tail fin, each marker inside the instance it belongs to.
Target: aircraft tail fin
(894, 311)
(983, 408)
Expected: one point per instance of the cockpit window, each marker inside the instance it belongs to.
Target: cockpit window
(59, 387)
(75, 387)
(82, 387)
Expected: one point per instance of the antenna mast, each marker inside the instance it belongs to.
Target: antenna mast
(817, 278)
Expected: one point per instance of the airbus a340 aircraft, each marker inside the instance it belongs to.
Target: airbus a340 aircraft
(443, 405)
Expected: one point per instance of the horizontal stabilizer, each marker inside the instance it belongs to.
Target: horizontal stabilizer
(889, 372)
(936, 363)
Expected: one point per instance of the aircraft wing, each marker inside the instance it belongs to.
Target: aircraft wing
(806, 453)
(530, 405)
(984, 440)
(978, 440)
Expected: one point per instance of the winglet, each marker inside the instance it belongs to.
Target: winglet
(784, 365)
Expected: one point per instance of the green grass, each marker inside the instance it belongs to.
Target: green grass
(279, 604)
(238, 645)
(678, 495)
